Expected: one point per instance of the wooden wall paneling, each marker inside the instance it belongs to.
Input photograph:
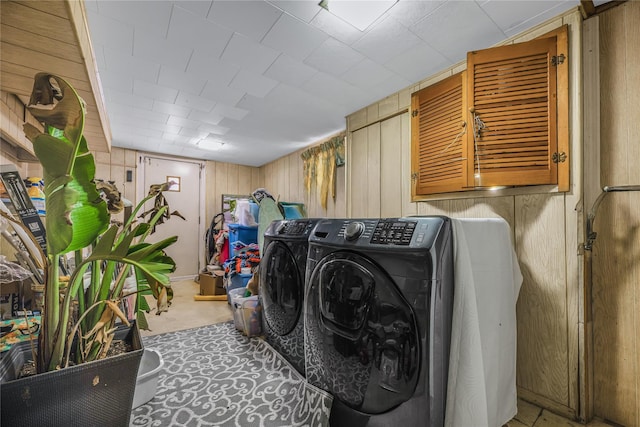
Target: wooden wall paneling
(570, 179)
(591, 188)
(357, 164)
(436, 207)
(257, 178)
(130, 158)
(408, 207)
(616, 250)
(103, 171)
(221, 178)
(389, 105)
(542, 366)
(632, 17)
(490, 207)
(372, 183)
(117, 156)
(244, 180)
(211, 198)
(233, 180)
(391, 177)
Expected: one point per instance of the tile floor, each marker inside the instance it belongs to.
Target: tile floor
(187, 313)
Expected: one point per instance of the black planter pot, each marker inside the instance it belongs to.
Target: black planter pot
(98, 393)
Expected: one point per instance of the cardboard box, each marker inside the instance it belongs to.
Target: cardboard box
(211, 284)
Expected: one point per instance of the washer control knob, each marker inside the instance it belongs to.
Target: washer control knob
(281, 228)
(354, 230)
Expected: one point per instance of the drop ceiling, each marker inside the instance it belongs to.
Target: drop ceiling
(250, 81)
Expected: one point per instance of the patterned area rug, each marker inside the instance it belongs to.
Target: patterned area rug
(214, 376)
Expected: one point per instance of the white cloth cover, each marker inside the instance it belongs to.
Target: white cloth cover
(482, 364)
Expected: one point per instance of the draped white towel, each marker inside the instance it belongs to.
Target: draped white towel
(482, 364)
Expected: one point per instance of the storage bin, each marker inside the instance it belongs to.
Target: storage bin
(246, 312)
(147, 381)
(241, 233)
(237, 280)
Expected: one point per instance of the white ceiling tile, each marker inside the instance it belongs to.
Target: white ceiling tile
(161, 50)
(290, 71)
(151, 17)
(410, 12)
(185, 123)
(334, 57)
(458, 27)
(293, 37)
(149, 116)
(192, 133)
(171, 109)
(385, 40)
(171, 77)
(333, 89)
(117, 97)
(512, 14)
(136, 130)
(246, 53)
(199, 7)
(418, 63)
(367, 74)
(190, 100)
(203, 65)
(154, 91)
(175, 138)
(206, 117)
(117, 80)
(110, 32)
(304, 10)
(535, 20)
(218, 130)
(122, 62)
(221, 92)
(249, 18)
(336, 27)
(254, 84)
(195, 31)
(165, 128)
(230, 112)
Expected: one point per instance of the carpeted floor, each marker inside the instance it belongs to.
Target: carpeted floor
(215, 376)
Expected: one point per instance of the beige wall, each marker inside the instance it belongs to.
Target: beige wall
(616, 252)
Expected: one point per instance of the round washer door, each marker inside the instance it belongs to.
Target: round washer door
(281, 288)
(361, 335)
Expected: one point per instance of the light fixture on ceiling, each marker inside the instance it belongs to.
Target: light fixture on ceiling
(361, 14)
(210, 144)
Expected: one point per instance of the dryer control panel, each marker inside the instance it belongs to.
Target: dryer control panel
(393, 232)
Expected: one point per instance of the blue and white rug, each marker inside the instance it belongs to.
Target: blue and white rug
(214, 376)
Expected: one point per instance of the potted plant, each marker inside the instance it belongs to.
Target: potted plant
(78, 323)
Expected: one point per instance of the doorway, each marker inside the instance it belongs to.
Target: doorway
(185, 196)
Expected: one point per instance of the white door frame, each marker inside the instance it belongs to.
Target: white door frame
(141, 193)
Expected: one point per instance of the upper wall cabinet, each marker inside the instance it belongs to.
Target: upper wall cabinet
(502, 122)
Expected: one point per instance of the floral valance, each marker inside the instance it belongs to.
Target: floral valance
(320, 163)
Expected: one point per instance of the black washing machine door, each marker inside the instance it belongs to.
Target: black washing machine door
(282, 288)
(361, 337)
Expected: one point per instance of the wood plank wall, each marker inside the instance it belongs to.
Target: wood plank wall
(616, 252)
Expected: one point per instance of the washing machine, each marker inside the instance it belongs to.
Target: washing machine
(378, 309)
(282, 275)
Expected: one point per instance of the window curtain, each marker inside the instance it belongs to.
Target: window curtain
(319, 165)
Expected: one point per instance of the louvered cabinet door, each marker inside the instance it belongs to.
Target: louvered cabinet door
(438, 143)
(512, 114)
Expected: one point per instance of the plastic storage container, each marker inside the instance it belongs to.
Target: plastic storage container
(147, 381)
(237, 280)
(246, 312)
(241, 233)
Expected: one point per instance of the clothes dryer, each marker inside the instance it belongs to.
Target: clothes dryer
(282, 275)
(378, 309)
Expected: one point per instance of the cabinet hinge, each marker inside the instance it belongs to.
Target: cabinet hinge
(559, 157)
(558, 59)
(414, 113)
(414, 176)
